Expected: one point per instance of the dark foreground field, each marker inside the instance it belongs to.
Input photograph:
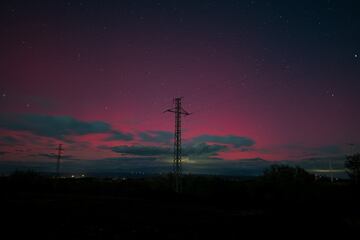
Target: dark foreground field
(210, 207)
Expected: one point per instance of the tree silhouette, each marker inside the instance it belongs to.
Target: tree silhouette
(286, 174)
(352, 165)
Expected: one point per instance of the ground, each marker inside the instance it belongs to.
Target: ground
(134, 209)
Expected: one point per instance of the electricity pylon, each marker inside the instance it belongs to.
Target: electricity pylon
(60, 151)
(178, 110)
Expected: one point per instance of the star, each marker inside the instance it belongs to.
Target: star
(356, 55)
(330, 92)
(3, 95)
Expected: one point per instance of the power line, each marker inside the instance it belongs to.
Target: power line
(177, 168)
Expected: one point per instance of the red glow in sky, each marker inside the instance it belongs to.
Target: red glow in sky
(289, 94)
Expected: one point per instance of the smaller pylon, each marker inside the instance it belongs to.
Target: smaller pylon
(60, 151)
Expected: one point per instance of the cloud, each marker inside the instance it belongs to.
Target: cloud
(50, 155)
(128, 159)
(157, 136)
(337, 162)
(56, 126)
(329, 149)
(167, 137)
(8, 140)
(141, 150)
(300, 151)
(103, 167)
(3, 153)
(203, 149)
(197, 146)
(244, 167)
(236, 141)
(198, 149)
(116, 165)
(116, 135)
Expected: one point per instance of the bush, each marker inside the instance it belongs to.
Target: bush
(352, 165)
(283, 174)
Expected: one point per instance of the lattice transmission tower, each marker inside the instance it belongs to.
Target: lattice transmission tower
(60, 150)
(177, 168)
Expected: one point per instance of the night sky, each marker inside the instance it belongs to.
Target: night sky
(265, 80)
